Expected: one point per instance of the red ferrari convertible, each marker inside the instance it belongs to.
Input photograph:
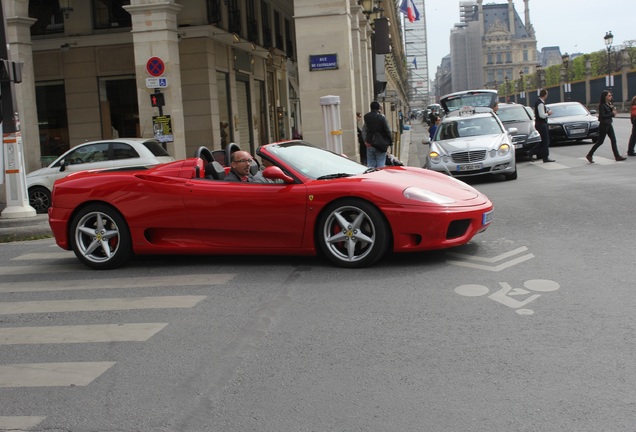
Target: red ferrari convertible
(311, 201)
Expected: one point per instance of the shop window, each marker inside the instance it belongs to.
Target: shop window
(50, 18)
(52, 120)
(111, 14)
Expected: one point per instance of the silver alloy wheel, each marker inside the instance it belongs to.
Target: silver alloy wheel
(349, 233)
(97, 237)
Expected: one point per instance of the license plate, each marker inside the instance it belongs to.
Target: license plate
(486, 218)
(469, 167)
(577, 131)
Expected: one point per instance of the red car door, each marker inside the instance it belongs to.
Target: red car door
(247, 215)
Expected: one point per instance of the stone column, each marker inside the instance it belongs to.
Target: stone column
(154, 30)
(325, 28)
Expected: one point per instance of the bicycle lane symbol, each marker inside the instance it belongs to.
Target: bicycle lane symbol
(506, 295)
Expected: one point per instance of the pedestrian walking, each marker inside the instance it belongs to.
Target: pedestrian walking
(376, 124)
(606, 114)
(632, 138)
(541, 114)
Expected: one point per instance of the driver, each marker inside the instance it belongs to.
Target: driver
(240, 167)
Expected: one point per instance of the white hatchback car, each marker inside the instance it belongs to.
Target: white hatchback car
(115, 153)
(473, 141)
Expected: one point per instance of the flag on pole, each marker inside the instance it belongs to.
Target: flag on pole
(414, 62)
(408, 8)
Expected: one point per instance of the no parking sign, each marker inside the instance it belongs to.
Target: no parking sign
(155, 67)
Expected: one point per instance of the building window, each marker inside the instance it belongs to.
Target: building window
(489, 59)
(525, 55)
(278, 32)
(252, 23)
(111, 14)
(508, 57)
(234, 17)
(499, 58)
(50, 18)
(267, 27)
(214, 11)
(289, 43)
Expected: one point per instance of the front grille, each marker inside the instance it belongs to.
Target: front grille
(469, 156)
(575, 130)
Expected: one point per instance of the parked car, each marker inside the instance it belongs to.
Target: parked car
(472, 141)
(121, 152)
(475, 98)
(519, 117)
(325, 204)
(572, 121)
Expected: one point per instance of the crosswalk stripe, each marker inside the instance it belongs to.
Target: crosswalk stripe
(137, 332)
(551, 166)
(44, 255)
(109, 283)
(106, 304)
(42, 269)
(601, 160)
(19, 423)
(51, 374)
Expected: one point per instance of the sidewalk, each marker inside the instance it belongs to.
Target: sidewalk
(29, 228)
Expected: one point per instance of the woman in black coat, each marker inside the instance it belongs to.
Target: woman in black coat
(606, 114)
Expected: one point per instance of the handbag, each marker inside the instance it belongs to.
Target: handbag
(380, 143)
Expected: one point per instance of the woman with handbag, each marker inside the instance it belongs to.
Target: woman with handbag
(377, 136)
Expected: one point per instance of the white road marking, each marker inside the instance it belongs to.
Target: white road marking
(109, 283)
(51, 374)
(19, 423)
(106, 304)
(43, 269)
(44, 255)
(80, 334)
(599, 160)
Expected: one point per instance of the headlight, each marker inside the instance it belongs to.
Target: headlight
(434, 157)
(534, 134)
(503, 150)
(594, 124)
(554, 126)
(422, 195)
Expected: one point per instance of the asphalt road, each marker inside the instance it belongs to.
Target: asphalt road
(527, 328)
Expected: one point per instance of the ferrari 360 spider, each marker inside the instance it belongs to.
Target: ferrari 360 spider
(313, 202)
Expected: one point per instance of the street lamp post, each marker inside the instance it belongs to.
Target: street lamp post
(609, 39)
(522, 86)
(566, 65)
(506, 89)
(539, 78)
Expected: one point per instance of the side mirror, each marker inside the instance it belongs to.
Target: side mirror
(275, 173)
(63, 165)
(513, 131)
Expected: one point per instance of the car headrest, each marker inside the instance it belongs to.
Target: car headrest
(214, 170)
(254, 167)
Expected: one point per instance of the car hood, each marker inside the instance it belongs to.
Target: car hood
(483, 142)
(572, 119)
(38, 172)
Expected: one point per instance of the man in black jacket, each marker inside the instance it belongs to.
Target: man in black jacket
(376, 123)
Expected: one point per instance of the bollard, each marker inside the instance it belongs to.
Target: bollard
(331, 121)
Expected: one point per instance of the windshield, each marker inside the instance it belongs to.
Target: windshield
(513, 114)
(475, 98)
(461, 128)
(314, 162)
(568, 110)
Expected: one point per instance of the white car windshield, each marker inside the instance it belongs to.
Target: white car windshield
(467, 127)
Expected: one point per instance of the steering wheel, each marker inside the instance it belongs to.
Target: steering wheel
(204, 153)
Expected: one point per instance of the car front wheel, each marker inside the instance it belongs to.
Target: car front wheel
(100, 237)
(352, 233)
(40, 199)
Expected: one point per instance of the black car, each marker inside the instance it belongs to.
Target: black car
(571, 121)
(519, 117)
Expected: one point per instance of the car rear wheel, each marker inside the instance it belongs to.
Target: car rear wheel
(40, 199)
(352, 233)
(100, 237)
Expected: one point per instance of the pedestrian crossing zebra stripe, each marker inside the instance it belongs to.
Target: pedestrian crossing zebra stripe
(137, 332)
(103, 304)
(110, 283)
(42, 269)
(19, 423)
(78, 374)
(44, 255)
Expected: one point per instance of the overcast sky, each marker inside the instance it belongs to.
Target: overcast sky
(574, 26)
